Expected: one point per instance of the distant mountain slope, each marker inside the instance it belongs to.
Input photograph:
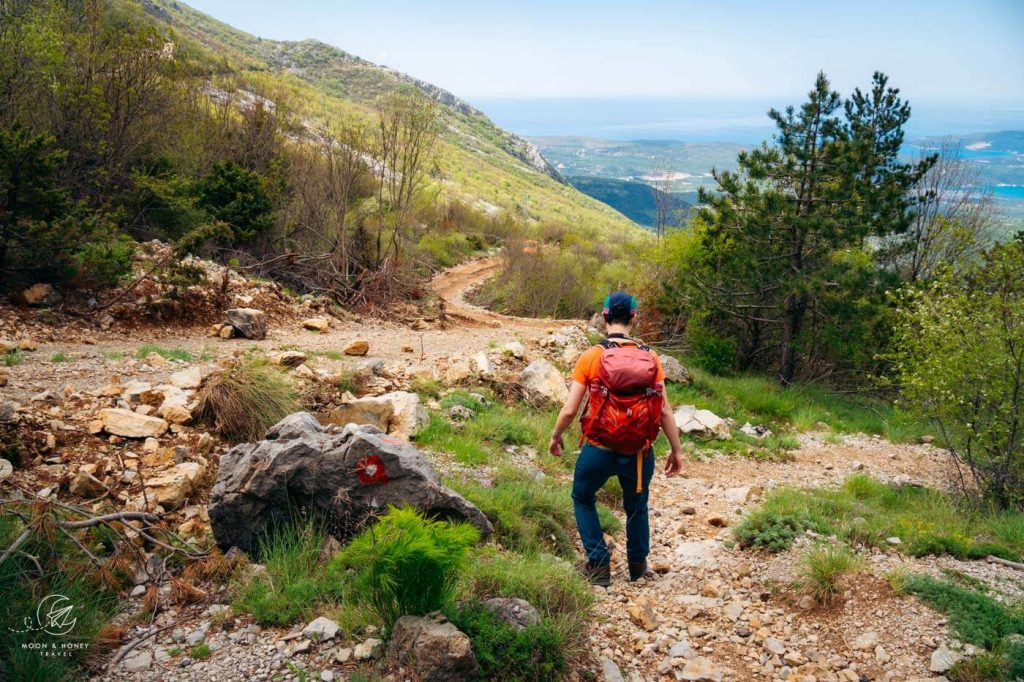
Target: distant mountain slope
(635, 200)
(493, 168)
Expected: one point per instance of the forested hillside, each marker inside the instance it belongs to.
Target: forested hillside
(125, 121)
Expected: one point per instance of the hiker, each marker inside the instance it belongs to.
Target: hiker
(624, 384)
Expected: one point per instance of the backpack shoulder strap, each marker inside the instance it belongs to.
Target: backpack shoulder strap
(612, 342)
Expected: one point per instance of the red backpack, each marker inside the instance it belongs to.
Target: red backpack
(623, 411)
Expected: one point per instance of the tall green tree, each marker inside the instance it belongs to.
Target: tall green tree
(776, 228)
(31, 201)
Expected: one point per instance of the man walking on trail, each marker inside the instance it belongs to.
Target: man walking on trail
(624, 384)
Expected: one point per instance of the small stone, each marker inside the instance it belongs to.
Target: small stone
(642, 615)
(248, 322)
(856, 465)
(775, 646)
(326, 676)
(40, 295)
(6, 469)
(866, 642)
(357, 347)
(942, 660)
(700, 670)
(371, 648)
(893, 541)
(716, 520)
(688, 510)
(343, 654)
(128, 424)
(289, 358)
(317, 324)
(611, 671)
(138, 662)
(85, 485)
(321, 629)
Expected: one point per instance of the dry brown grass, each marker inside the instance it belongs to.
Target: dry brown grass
(243, 401)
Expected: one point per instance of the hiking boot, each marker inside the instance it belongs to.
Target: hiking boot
(597, 574)
(638, 569)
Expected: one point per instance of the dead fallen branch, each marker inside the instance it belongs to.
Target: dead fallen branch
(1005, 562)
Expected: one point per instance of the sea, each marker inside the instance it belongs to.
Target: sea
(720, 119)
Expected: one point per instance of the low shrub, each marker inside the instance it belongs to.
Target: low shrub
(773, 532)
(975, 617)
(242, 402)
(405, 564)
(508, 654)
(200, 652)
(146, 349)
(822, 568)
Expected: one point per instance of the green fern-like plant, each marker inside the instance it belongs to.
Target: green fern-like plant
(406, 564)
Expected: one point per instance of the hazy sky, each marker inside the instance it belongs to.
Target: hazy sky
(536, 48)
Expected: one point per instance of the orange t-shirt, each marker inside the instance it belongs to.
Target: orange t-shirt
(586, 366)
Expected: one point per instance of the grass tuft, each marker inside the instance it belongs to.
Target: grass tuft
(822, 569)
(146, 349)
(242, 402)
(13, 357)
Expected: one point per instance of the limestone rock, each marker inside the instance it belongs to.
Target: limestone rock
(700, 669)
(435, 651)
(248, 322)
(320, 629)
(40, 295)
(701, 422)
(513, 611)
(458, 370)
(611, 671)
(674, 370)
(170, 488)
(717, 520)
(642, 614)
(190, 377)
(347, 474)
(138, 662)
(357, 347)
(867, 641)
(368, 649)
(481, 364)
(942, 660)
(515, 349)
(288, 358)
(544, 381)
(317, 324)
(399, 413)
(6, 469)
(84, 484)
(128, 424)
(759, 432)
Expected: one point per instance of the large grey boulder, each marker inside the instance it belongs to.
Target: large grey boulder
(248, 322)
(433, 648)
(345, 475)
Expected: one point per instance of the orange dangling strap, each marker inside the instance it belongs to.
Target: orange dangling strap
(639, 472)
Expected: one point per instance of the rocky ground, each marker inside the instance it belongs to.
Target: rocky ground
(102, 424)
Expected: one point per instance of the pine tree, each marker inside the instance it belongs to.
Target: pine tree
(826, 183)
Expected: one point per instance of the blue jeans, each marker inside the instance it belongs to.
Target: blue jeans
(593, 468)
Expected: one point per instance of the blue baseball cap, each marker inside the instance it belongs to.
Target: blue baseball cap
(620, 302)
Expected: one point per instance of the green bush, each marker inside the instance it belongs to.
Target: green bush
(405, 564)
(773, 532)
(508, 654)
(105, 262)
(711, 352)
(959, 359)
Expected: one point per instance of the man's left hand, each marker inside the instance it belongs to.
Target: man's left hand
(674, 464)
